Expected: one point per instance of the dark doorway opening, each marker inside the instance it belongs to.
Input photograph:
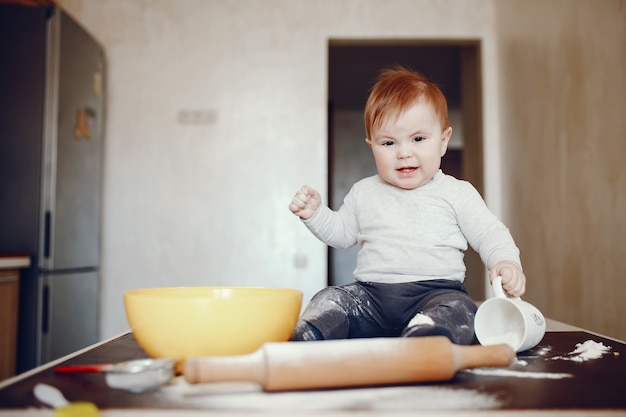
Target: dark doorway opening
(353, 66)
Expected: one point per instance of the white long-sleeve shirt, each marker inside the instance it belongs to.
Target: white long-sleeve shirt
(414, 235)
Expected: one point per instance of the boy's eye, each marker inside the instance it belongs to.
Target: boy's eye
(387, 143)
(418, 138)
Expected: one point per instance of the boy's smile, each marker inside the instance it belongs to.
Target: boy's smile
(408, 148)
(407, 170)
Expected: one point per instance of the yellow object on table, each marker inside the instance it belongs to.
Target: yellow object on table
(77, 409)
(183, 322)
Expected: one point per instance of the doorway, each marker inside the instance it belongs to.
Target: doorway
(353, 66)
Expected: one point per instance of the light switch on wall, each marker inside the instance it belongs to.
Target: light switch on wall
(300, 261)
(197, 117)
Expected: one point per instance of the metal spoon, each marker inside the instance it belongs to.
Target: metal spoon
(141, 375)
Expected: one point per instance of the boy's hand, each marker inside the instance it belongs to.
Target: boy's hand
(513, 279)
(305, 202)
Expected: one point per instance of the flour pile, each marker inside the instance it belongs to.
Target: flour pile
(247, 397)
(586, 351)
(583, 352)
(517, 374)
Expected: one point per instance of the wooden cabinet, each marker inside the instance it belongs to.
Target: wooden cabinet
(9, 295)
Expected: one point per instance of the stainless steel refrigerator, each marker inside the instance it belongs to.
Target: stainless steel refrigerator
(51, 132)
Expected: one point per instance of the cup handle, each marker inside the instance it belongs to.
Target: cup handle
(497, 288)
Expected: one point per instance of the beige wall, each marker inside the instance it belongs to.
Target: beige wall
(563, 106)
(207, 204)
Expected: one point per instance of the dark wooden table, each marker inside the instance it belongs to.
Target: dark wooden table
(543, 378)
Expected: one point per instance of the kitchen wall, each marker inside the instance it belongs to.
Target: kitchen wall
(206, 204)
(217, 114)
(563, 102)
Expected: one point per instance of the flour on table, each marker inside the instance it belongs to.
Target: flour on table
(544, 350)
(520, 362)
(538, 352)
(586, 351)
(237, 396)
(517, 374)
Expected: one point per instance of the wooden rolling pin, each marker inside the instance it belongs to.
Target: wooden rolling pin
(347, 363)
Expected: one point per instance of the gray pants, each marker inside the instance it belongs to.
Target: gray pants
(367, 309)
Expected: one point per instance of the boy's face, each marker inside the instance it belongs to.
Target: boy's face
(408, 150)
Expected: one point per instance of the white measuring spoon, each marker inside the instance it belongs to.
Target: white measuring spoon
(52, 397)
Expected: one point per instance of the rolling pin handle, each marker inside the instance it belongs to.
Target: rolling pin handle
(477, 356)
(249, 367)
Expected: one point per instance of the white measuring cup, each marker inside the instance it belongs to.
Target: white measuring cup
(504, 319)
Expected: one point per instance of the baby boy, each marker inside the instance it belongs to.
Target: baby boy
(412, 223)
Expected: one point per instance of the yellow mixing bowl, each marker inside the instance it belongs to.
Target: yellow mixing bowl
(202, 321)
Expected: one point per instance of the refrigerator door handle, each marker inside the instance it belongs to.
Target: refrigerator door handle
(45, 310)
(46, 234)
